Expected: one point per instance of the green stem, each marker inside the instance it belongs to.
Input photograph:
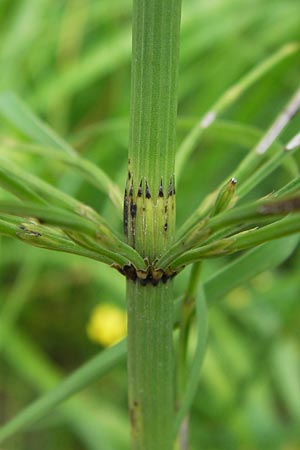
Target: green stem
(150, 200)
(150, 366)
(149, 219)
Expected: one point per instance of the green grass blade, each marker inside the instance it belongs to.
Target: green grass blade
(16, 112)
(254, 167)
(94, 423)
(227, 99)
(232, 132)
(193, 379)
(22, 184)
(247, 266)
(286, 373)
(289, 189)
(89, 171)
(79, 379)
(265, 170)
(12, 183)
(98, 62)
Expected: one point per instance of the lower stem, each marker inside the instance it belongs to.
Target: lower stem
(150, 365)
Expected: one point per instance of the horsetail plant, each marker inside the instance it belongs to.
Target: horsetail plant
(152, 251)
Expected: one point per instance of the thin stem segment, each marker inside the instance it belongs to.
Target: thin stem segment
(150, 366)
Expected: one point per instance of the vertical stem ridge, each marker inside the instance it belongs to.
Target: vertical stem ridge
(156, 27)
(150, 369)
(149, 218)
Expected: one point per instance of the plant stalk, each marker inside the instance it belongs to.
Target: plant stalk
(150, 366)
(149, 219)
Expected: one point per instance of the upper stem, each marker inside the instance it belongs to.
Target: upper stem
(149, 213)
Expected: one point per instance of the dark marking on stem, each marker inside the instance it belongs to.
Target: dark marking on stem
(30, 232)
(129, 175)
(131, 190)
(166, 277)
(133, 231)
(134, 416)
(171, 189)
(125, 213)
(166, 226)
(161, 191)
(148, 193)
(140, 189)
(129, 271)
(151, 276)
(132, 209)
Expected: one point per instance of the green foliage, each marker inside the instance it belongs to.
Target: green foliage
(70, 63)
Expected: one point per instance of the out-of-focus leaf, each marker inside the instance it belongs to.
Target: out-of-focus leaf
(194, 371)
(247, 266)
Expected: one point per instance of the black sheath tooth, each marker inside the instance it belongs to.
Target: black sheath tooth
(125, 213)
(148, 193)
(131, 190)
(140, 189)
(161, 191)
(132, 210)
(170, 191)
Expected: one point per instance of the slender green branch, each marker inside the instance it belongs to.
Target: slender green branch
(69, 222)
(290, 188)
(242, 241)
(255, 213)
(40, 236)
(18, 113)
(228, 98)
(84, 167)
(246, 172)
(18, 182)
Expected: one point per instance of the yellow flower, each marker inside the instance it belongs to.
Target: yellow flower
(107, 324)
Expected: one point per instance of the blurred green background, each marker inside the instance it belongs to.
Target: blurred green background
(70, 61)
